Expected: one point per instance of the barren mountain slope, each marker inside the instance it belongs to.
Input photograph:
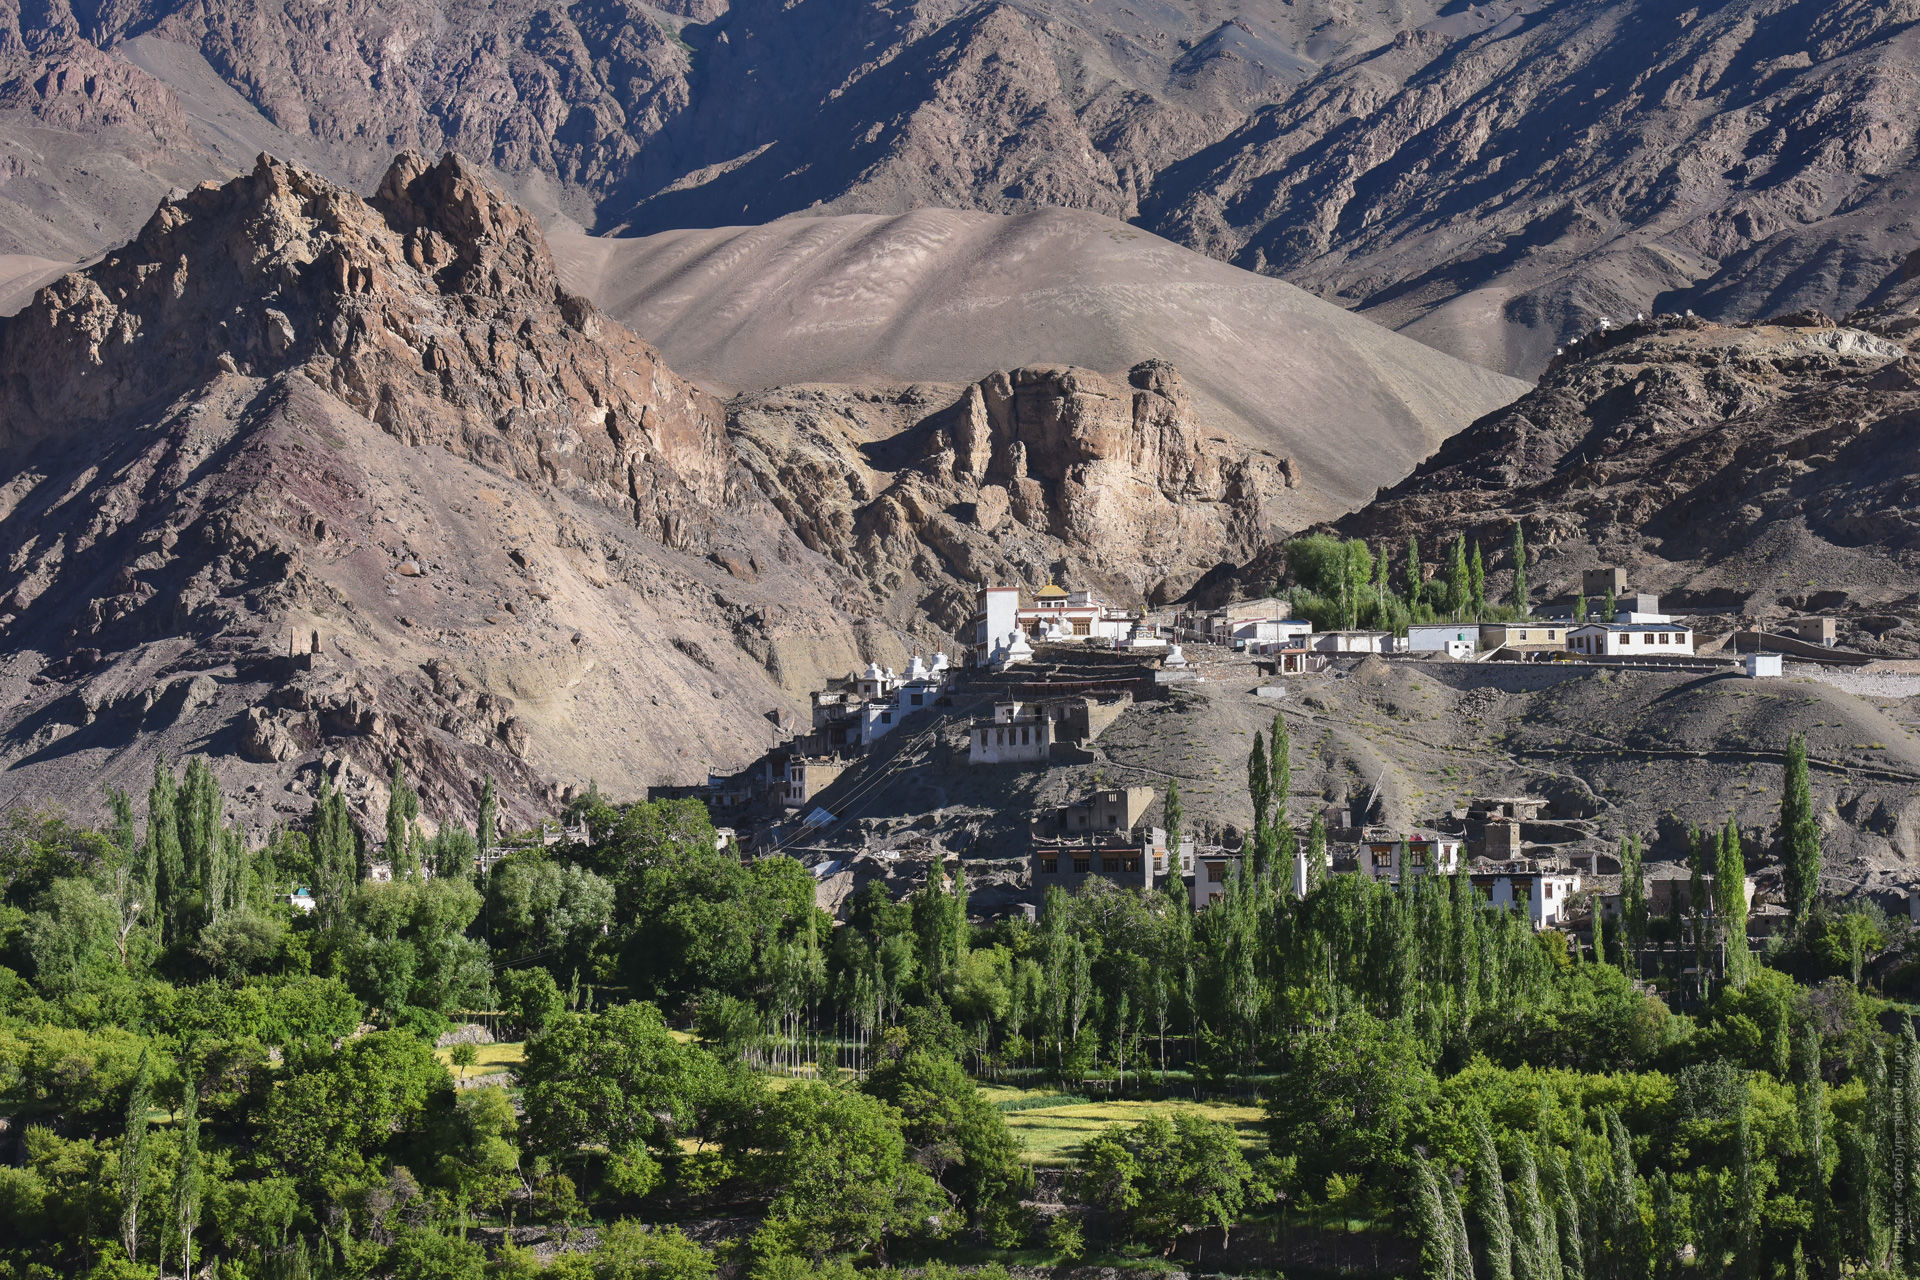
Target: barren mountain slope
(285, 411)
(942, 296)
(1491, 176)
(1756, 468)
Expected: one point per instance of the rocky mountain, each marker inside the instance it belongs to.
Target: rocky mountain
(1028, 476)
(310, 482)
(1489, 177)
(1335, 403)
(1757, 469)
(313, 481)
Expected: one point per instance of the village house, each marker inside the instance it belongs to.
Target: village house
(1631, 640)
(1818, 631)
(1542, 891)
(1022, 732)
(1103, 836)
(858, 711)
(1531, 638)
(1354, 642)
(1211, 869)
(808, 776)
(1399, 859)
(1455, 639)
(1637, 608)
(1266, 621)
(1597, 584)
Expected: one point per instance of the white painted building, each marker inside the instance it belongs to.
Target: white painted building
(1004, 630)
(1399, 859)
(1354, 642)
(1455, 639)
(1019, 733)
(1762, 665)
(1631, 640)
(1543, 895)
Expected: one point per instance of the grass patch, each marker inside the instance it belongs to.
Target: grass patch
(1051, 1126)
(487, 1058)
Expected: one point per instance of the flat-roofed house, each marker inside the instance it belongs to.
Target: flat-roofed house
(1631, 640)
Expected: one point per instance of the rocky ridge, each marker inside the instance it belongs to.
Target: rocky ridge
(1755, 469)
(314, 481)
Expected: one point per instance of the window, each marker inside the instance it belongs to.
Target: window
(1546, 891)
(1080, 864)
(1113, 819)
(1081, 627)
(1522, 890)
(1130, 863)
(1109, 864)
(1023, 736)
(886, 717)
(1050, 866)
(916, 700)
(1216, 872)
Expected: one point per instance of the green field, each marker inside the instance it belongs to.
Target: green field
(488, 1058)
(1052, 1134)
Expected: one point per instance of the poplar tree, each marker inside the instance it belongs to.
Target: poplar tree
(1415, 573)
(186, 1178)
(1459, 588)
(1599, 932)
(163, 849)
(1432, 1230)
(1665, 1262)
(1625, 1235)
(1260, 792)
(1174, 820)
(1522, 598)
(1633, 904)
(1799, 836)
(1730, 892)
(403, 806)
(1609, 608)
(1316, 853)
(1457, 1223)
(135, 1159)
(1810, 1107)
(1490, 1203)
(1536, 1252)
(1477, 583)
(201, 876)
(1698, 906)
(1580, 605)
(336, 868)
(1566, 1211)
(485, 832)
(1280, 777)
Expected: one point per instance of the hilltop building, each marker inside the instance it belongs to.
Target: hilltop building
(1104, 836)
(1004, 630)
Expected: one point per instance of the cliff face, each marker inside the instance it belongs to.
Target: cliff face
(285, 412)
(1029, 475)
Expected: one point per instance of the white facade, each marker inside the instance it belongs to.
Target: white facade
(1631, 640)
(1762, 665)
(1019, 733)
(1455, 639)
(1424, 853)
(995, 621)
(1354, 642)
(1543, 895)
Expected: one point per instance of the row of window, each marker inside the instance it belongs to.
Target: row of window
(1083, 864)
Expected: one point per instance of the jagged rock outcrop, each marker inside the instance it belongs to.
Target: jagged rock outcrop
(312, 481)
(1050, 472)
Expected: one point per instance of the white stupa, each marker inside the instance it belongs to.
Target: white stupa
(1176, 658)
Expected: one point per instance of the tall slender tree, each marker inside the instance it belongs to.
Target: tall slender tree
(135, 1159)
(1633, 905)
(1280, 778)
(187, 1173)
(1730, 894)
(1173, 819)
(1459, 586)
(1490, 1203)
(1477, 582)
(403, 806)
(1260, 792)
(163, 850)
(1432, 1231)
(485, 831)
(1522, 597)
(1799, 836)
(1416, 573)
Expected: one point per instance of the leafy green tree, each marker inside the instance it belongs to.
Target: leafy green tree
(616, 1079)
(841, 1175)
(1633, 904)
(336, 855)
(163, 848)
(1459, 583)
(1316, 852)
(541, 909)
(1416, 573)
(1260, 793)
(1432, 1232)
(1355, 1094)
(1167, 1175)
(1730, 893)
(71, 936)
(429, 1253)
(1799, 835)
(1280, 781)
(627, 1250)
(961, 1139)
(341, 1117)
(1609, 608)
(476, 1158)
(1174, 816)
(1580, 606)
(530, 998)
(1477, 582)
